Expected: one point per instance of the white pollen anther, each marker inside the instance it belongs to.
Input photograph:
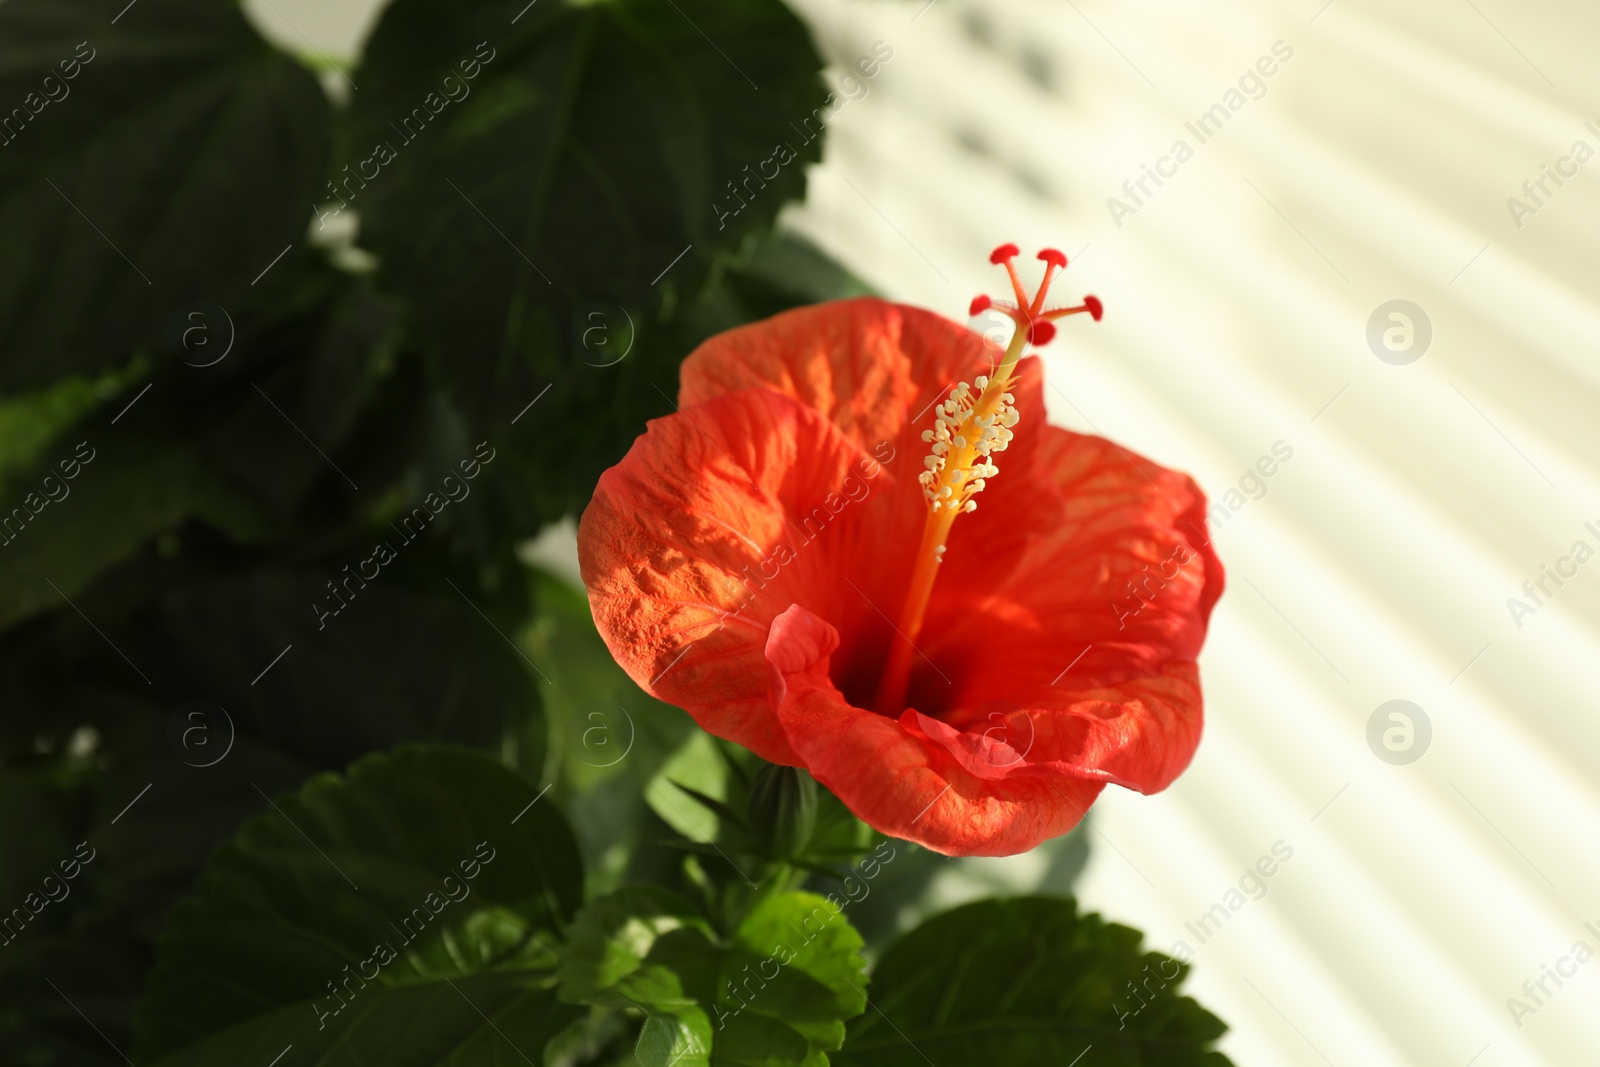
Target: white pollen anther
(963, 438)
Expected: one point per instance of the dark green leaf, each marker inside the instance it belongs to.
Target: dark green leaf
(271, 418)
(177, 161)
(784, 271)
(59, 533)
(237, 445)
(531, 184)
(1029, 981)
(399, 663)
(144, 822)
(383, 918)
(409, 659)
(33, 420)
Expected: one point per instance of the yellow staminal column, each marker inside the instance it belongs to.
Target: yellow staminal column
(967, 432)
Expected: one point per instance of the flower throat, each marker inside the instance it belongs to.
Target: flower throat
(969, 429)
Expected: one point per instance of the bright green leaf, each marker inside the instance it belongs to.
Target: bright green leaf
(701, 767)
(611, 937)
(776, 991)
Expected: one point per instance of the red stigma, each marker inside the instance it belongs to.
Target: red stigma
(1028, 313)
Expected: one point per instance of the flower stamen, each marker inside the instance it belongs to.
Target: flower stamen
(967, 432)
(964, 437)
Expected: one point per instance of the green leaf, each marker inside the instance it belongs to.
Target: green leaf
(222, 630)
(785, 270)
(152, 159)
(775, 991)
(823, 979)
(94, 940)
(407, 914)
(690, 791)
(1029, 981)
(222, 443)
(611, 937)
(370, 678)
(307, 358)
(579, 163)
(30, 422)
(646, 948)
(67, 530)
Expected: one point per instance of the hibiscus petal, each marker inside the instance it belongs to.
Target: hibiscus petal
(869, 366)
(1103, 517)
(1105, 676)
(707, 529)
(1139, 734)
(891, 773)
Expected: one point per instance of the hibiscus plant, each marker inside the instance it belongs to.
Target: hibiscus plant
(314, 752)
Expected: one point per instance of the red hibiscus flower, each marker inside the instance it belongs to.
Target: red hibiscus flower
(797, 559)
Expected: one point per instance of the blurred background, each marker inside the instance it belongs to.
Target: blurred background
(1374, 164)
(1346, 293)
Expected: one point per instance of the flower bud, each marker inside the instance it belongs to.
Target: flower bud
(782, 810)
